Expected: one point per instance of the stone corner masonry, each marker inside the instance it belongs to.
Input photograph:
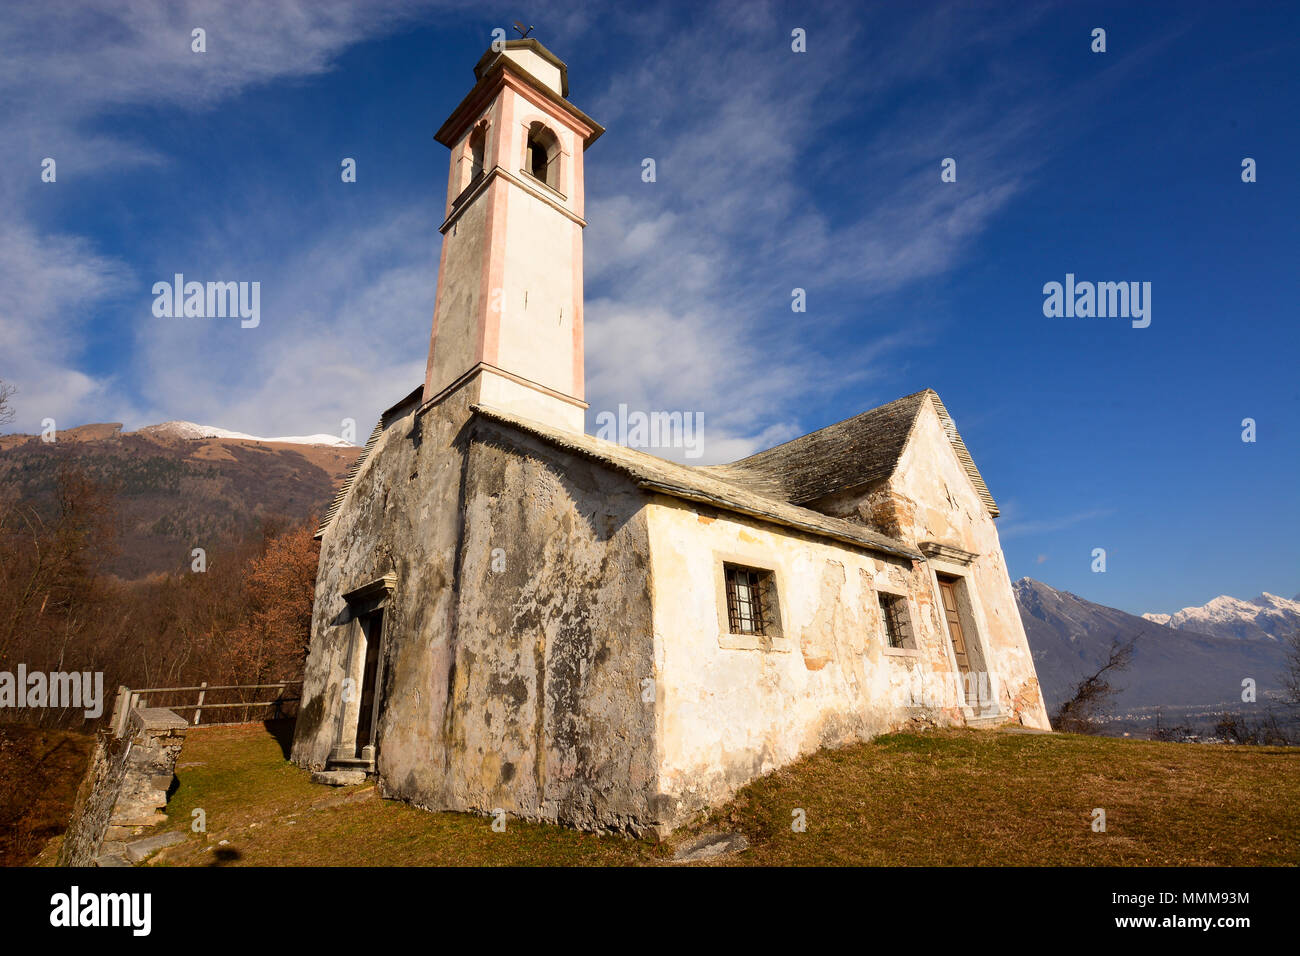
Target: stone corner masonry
(125, 788)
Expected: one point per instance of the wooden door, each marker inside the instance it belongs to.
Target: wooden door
(948, 591)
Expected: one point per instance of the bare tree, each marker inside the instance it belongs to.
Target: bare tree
(1291, 676)
(1078, 714)
(6, 406)
(1266, 732)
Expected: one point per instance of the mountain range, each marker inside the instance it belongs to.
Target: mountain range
(180, 485)
(1266, 617)
(1174, 667)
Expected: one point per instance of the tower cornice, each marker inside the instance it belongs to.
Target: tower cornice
(466, 200)
(502, 73)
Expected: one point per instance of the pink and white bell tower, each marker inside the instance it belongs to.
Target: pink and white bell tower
(507, 319)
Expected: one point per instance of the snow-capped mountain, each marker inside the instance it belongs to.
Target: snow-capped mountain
(1070, 638)
(1265, 618)
(190, 430)
(175, 487)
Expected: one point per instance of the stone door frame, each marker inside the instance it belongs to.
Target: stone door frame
(364, 604)
(955, 564)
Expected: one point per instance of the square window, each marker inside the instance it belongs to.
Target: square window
(750, 607)
(895, 620)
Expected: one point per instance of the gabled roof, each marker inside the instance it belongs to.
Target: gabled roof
(384, 421)
(773, 485)
(849, 455)
(701, 486)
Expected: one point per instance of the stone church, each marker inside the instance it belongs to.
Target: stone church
(512, 614)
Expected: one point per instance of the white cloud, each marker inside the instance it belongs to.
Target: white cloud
(689, 277)
(60, 77)
(1020, 529)
(342, 335)
(48, 282)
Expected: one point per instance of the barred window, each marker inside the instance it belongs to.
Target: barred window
(749, 601)
(894, 617)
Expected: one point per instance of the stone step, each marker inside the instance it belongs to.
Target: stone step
(711, 846)
(136, 817)
(339, 778)
(141, 849)
(112, 854)
(351, 763)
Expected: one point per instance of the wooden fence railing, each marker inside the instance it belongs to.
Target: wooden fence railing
(129, 698)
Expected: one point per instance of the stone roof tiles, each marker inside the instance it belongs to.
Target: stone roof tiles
(702, 486)
(774, 485)
(849, 455)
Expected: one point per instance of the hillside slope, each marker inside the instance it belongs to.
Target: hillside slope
(944, 798)
(174, 493)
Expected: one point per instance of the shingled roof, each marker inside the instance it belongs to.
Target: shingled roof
(847, 456)
(773, 485)
(701, 486)
(384, 421)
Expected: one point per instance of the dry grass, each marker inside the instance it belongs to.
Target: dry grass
(39, 773)
(971, 798)
(943, 798)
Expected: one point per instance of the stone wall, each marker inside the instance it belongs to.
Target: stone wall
(517, 633)
(548, 719)
(124, 789)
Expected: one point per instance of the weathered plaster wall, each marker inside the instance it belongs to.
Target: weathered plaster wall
(554, 639)
(729, 713)
(462, 293)
(931, 498)
(948, 511)
(402, 517)
(515, 688)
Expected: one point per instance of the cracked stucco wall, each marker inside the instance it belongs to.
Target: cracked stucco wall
(945, 508)
(730, 713)
(555, 639)
(931, 498)
(402, 517)
(510, 679)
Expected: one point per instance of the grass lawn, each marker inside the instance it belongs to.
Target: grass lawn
(939, 798)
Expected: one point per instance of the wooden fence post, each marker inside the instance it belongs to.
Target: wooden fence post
(119, 710)
(198, 711)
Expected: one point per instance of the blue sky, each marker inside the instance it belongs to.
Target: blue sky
(775, 170)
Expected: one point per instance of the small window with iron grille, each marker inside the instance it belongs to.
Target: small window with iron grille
(897, 625)
(750, 605)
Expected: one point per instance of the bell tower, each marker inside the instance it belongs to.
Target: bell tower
(507, 318)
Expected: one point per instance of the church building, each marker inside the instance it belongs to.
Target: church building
(514, 615)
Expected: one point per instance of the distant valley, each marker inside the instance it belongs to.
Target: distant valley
(1178, 675)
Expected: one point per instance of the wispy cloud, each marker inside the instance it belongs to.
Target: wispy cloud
(1021, 529)
(689, 278)
(62, 78)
